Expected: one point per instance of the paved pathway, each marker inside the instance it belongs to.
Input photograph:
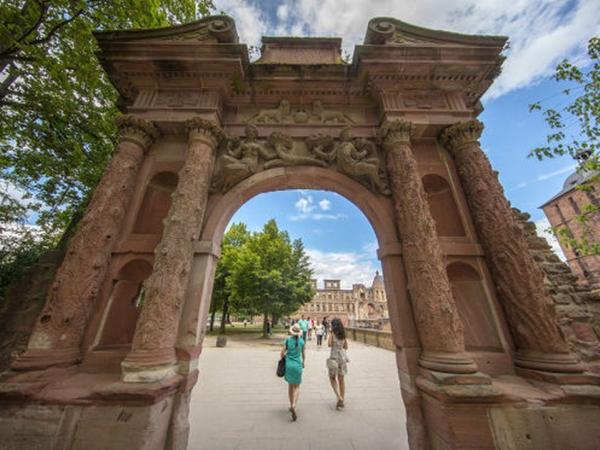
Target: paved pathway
(239, 403)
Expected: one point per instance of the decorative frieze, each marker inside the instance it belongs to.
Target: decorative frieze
(359, 158)
(315, 114)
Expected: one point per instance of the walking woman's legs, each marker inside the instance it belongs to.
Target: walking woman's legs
(291, 394)
(342, 386)
(296, 394)
(334, 385)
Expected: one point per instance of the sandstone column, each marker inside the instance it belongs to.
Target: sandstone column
(438, 323)
(518, 278)
(57, 336)
(153, 350)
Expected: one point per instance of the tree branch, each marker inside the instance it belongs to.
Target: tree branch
(6, 53)
(56, 27)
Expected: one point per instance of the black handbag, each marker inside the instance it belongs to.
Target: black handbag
(281, 365)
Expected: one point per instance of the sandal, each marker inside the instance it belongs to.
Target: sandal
(294, 415)
(339, 405)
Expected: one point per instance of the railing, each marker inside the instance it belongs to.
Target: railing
(377, 338)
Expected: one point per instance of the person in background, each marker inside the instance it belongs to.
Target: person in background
(268, 326)
(325, 323)
(310, 328)
(303, 324)
(319, 332)
(337, 361)
(293, 350)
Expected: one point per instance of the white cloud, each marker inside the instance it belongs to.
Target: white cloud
(548, 175)
(349, 267)
(251, 23)
(283, 11)
(370, 247)
(317, 216)
(306, 205)
(542, 227)
(541, 32)
(325, 205)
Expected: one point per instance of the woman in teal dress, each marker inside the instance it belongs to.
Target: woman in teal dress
(293, 350)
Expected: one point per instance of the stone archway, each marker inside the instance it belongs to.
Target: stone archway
(378, 210)
(298, 117)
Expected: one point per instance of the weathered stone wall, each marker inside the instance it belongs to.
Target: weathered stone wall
(578, 306)
(377, 338)
(23, 303)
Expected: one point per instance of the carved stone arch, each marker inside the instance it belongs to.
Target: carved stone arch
(123, 310)
(377, 209)
(156, 203)
(443, 206)
(467, 283)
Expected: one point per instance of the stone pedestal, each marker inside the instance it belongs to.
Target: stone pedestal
(57, 336)
(437, 320)
(518, 278)
(153, 351)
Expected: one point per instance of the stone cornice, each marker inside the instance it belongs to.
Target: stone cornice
(200, 129)
(137, 130)
(396, 132)
(388, 30)
(212, 28)
(462, 133)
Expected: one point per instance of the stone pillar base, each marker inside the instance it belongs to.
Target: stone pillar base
(448, 362)
(583, 378)
(548, 362)
(147, 366)
(39, 359)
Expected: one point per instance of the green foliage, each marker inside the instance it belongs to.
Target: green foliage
(17, 254)
(262, 273)
(233, 241)
(583, 111)
(57, 107)
(575, 131)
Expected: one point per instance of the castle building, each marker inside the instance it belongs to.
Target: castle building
(563, 211)
(360, 303)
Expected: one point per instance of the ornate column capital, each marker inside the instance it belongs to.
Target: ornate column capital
(461, 133)
(397, 131)
(200, 129)
(139, 131)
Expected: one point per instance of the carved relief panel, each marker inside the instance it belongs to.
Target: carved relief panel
(359, 158)
(313, 113)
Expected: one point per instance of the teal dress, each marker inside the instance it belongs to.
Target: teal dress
(293, 360)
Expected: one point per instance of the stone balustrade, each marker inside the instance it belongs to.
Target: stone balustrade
(377, 338)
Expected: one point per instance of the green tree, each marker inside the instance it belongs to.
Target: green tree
(270, 275)
(57, 107)
(575, 131)
(233, 241)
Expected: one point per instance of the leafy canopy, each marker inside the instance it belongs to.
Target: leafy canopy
(57, 107)
(263, 272)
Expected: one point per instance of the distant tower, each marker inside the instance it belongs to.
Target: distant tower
(378, 288)
(561, 211)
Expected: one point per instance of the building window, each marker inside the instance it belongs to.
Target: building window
(574, 205)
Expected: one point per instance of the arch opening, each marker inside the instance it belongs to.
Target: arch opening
(221, 211)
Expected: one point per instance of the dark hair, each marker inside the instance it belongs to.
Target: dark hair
(337, 328)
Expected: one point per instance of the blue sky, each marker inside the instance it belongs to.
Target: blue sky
(340, 241)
